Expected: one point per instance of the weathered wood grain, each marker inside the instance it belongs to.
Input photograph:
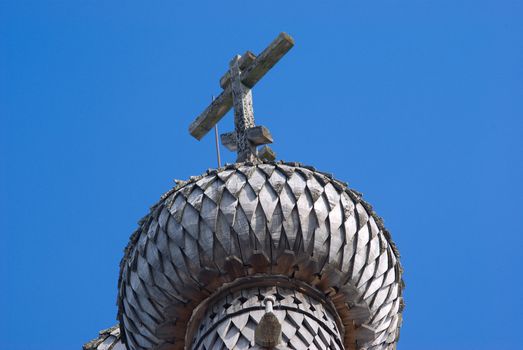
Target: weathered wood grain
(267, 154)
(212, 114)
(259, 135)
(243, 113)
(228, 140)
(245, 61)
(250, 69)
(261, 220)
(240, 321)
(267, 59)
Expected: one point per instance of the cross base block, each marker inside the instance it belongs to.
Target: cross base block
(258, 135)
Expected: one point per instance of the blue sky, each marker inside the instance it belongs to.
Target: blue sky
(417, 104)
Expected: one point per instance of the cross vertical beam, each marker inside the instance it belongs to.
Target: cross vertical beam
(243, 73)
(243, 112)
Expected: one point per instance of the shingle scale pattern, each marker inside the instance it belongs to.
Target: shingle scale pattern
(247, 219)
(231, 321)
(108, 339)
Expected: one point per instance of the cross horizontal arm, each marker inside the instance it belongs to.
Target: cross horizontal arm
(245, 61)
(255, 69)
(258, 135)
(267, 59)
(212, 114)
(229, 141)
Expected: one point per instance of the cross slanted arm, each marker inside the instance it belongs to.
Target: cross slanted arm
(243, 74)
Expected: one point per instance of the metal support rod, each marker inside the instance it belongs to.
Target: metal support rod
(217, 146)
(217, 142)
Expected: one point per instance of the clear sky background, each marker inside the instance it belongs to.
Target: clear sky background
(417, 104)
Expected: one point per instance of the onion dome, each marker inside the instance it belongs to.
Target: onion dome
(214, 247)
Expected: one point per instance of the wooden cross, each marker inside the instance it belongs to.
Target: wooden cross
(244, 72)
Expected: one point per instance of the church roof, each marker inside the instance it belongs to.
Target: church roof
(216, 247)
(270, 218)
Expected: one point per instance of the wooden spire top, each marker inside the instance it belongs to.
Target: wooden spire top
(244, 72)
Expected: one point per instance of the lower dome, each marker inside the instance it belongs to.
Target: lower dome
(288, 223)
